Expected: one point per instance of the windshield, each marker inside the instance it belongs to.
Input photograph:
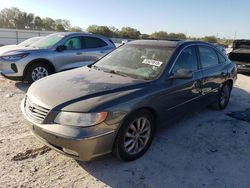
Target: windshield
(48, 42)
(137, 61)
(29, 41)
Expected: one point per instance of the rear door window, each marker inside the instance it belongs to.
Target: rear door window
(92, 42)
(208, 57)
(186, 60)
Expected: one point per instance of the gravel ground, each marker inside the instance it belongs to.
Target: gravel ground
(205, 149)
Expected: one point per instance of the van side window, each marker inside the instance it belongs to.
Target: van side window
(186, 60)
(208, 57)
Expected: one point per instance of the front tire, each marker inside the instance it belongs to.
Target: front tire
(37, 71)
(135, 136)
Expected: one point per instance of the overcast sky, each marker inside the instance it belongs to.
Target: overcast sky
(223, 18)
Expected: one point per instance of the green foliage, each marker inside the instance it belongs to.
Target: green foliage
(159, 35)
(101, 30)
(144, 36)
(16, 19)
(38, 23)
(75, 29)
(211, 39)
(130, 33)
(165, 36)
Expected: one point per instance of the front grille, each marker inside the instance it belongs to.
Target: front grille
(34, 111)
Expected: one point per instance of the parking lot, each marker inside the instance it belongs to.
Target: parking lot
(205, 149)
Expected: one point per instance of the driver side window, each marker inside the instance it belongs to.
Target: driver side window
(186, 60)
(73, 43)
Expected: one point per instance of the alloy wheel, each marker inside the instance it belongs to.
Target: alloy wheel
(137, 135)
(39, 72)
(224, 95)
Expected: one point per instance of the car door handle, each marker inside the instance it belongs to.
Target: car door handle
(102, 52)
(79, 53)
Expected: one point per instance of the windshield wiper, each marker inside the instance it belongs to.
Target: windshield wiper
(118, 72)
(109, 71)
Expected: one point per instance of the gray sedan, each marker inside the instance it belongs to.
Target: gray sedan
(116, 104)
(54, 53)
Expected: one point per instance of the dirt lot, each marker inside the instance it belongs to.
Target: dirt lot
(205, 149)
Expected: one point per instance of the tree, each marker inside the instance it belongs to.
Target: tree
(128, 32)
(144, 36)
(59, 25)
(48, 24)
(66, 24)
(114, 31)
(159, 35)
(211, 39)
(176, 36)
(101, 30)
(38, 23)
(28, 20)
(9, 17)
(75, 29)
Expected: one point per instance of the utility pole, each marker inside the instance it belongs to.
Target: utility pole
(235, 35)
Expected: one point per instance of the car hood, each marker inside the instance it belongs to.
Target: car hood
(19, 49)
(60, 90)
(7, 48)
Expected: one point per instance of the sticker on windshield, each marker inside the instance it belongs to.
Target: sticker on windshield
(152, 62)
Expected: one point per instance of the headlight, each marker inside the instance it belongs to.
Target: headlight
(15, 57)
(80, 119)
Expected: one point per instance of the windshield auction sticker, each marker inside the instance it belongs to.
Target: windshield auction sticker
(152, 62)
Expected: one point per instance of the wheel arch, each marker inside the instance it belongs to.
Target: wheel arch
(229, 81)
(40, 60)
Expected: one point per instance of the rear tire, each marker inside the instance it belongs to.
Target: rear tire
(134, 136)
(37, 71)
(223, 96)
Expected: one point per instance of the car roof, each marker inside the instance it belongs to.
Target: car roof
(166, 43)
(80, 33)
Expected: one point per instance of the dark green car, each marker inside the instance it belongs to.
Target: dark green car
(115, 104)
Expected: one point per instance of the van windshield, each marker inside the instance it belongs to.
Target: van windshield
(48, 42)
(137, 61)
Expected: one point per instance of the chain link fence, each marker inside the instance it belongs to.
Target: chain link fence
(15, 36)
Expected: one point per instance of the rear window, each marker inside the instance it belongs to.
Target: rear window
(208, 57)
(92, 42)
(222, 59)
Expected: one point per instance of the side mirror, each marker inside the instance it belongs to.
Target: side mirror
(182, 74)
(61, 48)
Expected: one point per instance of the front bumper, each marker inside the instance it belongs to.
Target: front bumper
(12, 70)
(80, 143)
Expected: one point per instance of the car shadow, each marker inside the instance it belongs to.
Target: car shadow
(22, 86)
(205, 148)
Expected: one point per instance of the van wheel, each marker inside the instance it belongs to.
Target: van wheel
(223, 97)
(37, 71)
(135, 136)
